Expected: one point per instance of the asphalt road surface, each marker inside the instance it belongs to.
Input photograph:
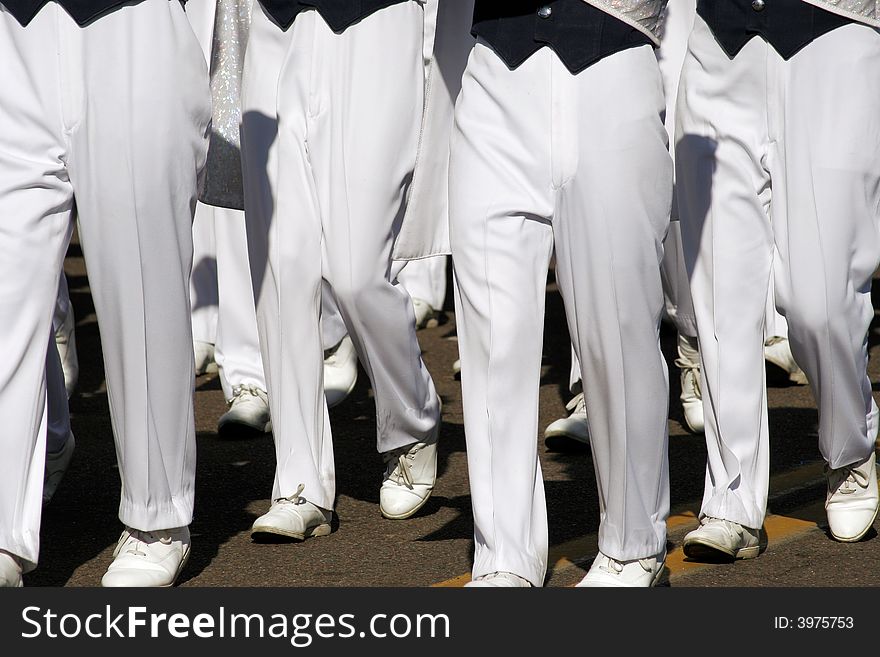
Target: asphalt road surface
(234, 482)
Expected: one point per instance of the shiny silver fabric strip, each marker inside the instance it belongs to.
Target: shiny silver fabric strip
(223, 177)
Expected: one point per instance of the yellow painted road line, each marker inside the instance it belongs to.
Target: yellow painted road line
(778, 528)
(561, 555)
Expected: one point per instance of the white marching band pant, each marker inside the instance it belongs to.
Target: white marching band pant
(677, 22)
(223, 312)
(541, 157)
(425, 279)
(779, 182)
(326, 174)
(677, 25)
(115, 115)
(224, 278)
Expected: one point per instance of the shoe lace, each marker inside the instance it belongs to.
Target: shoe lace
(688, 367)
(847, 480)
(615, 567)
(248, 390)
(133, 539)
(296, 498)
(577, 405)
(610, 565)
(398, 466)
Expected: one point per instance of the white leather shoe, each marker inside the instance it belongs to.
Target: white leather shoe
(606, 571)
(340, 372)
(10, 571)
(572, 431)
(65, 341)
(717, 538)
(56, 466)
(293, 517)
(688, 363)
(204, 357)
(777, 350)
(152, 559)
(249, 409)
(852, 500)
(499, 579)
(410, 473)
(426, 316)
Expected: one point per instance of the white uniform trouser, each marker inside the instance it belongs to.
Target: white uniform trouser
(222, 295)
(541, 156)
(203, 282)
(677, 24)
(425, 279)
(236, 342)
(223, 298)
(449, 27)
(759, 136)
(326, 173)
(114, 114)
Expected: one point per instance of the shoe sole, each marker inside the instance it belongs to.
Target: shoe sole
(344, 397)
(694, 430)
(858, 538)
(690, 427)
(658, 575)
(179, 569)
(429, 323)
(708, 551)
(263, 532)
(408, 514)
(798, 378)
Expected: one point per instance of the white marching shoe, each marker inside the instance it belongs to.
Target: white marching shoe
(499, 580)
(852, 500)
(248, 410)
(152, 559)
(56, 466)
(717, 538)
(10, 571)
(293, 517)
(203, 353)
(340, 372)
(426, 316)
(65, 341)
(572, 431)
(688, 363)
(777, 350)
(409, 478)
(606, 571)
